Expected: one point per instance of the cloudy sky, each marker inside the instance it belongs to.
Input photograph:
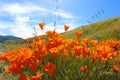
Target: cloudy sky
(19, 17)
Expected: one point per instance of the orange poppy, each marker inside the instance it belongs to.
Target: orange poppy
(65, 52)
(41, 25)
(118, 61)
(14, 68)
(36, 77)
(84, 68)
(22, 77)
(66, 27)
(54, 51)
(115, 68)
(94, 42)
(52, 34)
(78, 34)
(50, 68)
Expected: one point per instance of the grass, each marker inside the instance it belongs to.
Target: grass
(103, 30)
(3, 74)
(69, 67)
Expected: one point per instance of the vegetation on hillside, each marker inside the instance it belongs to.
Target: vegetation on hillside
(4, 38)
(103, 30)
(57, 58)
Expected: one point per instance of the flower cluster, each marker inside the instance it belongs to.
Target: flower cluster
(55, 47)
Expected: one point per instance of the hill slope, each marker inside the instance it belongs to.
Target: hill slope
(5, 38)
(102, 30)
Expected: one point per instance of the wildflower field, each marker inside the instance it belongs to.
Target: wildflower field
(56, 58)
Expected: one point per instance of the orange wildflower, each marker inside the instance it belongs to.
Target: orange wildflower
(66, 27)
(80, 51)
(54, 51)
(77, 50)
(84, 68)
(14, 68)
(61, 48)
(65, 52)
(78, 34)
(36, 77)
(50, 68)
(52, 34)
(39, 74)
(115, 68)
(94, 42)
(70, 43)
(103, 60)
(118, 61)
(85, 42)
(41, 53)
(41, 25)
(22, 77)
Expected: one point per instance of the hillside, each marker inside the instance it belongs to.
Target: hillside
(5, 38)
(10, 42)
(106, 29)
(103, 30)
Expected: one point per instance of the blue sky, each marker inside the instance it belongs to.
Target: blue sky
(18, 17)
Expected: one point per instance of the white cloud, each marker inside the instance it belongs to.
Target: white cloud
(22, 19)
(25, 31)
(20, 13)
(22, 31)
(6, 26)
(59, 28)
(62, 14)
(2, 26)
(16, 8)
(18, 29)
(73, 25)
(2, 33)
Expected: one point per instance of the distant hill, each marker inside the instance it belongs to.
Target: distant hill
(5, 38)
(106, 29)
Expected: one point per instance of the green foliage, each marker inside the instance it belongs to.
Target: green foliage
(3, 74)
(103, 30)
(68, 68)
(4, 38)
(2, 45)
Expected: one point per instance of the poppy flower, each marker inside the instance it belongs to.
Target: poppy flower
(66, 27)
(52, 34)
(115, 68)
(84, 68)
(41, 25)
(65, 52)
(54, 51)
(22, 77)
(50, 68)
(94, 42)
(14, 68)
(118, 61)
(36, 77)
(78, 34)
